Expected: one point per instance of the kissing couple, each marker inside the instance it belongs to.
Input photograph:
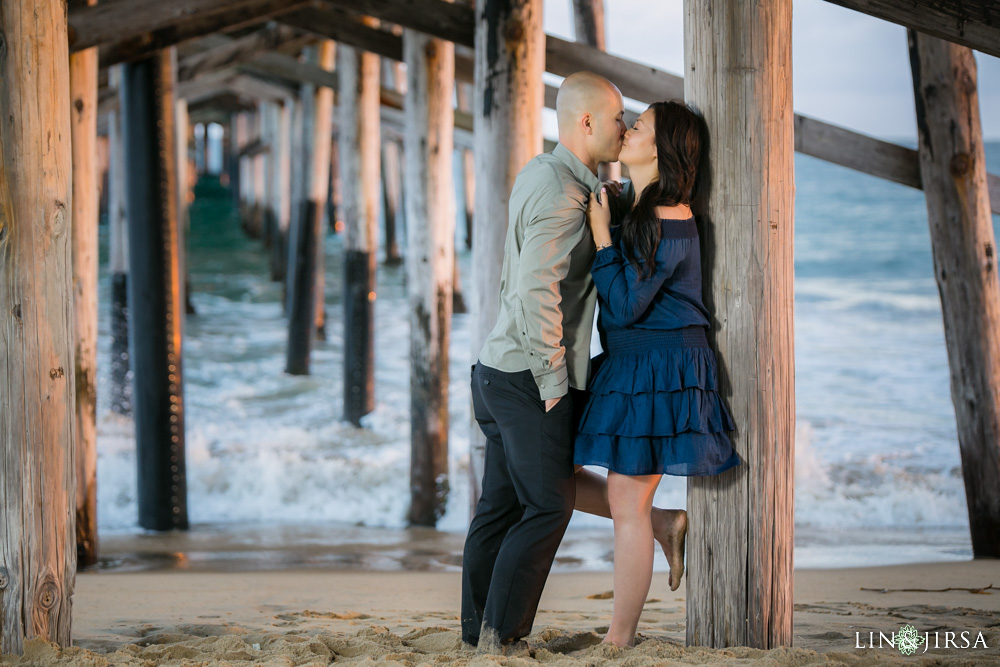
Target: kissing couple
(649, 407)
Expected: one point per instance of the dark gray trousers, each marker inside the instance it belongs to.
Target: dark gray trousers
(527, 501)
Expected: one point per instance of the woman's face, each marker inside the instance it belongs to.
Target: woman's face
(639, 147)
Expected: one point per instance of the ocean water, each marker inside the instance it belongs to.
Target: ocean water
(878, 474)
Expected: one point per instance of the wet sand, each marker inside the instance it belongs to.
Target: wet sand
(314, 617)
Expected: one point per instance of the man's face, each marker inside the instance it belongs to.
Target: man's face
(609, 128)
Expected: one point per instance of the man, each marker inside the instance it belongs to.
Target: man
(536, 355)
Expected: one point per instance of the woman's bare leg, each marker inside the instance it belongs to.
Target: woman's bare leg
(669, 526)
(631, 499)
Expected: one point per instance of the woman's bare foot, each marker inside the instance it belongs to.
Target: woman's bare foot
(670, 530)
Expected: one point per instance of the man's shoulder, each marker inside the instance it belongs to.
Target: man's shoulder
(547, 175)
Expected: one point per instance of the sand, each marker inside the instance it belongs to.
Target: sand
(317, 617)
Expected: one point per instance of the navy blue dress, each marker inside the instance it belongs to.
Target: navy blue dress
(653, 404)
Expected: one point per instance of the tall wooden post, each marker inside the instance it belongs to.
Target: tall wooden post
(245, 179)
(463, 94)
(281, 195)
(508, 102)
(430, 258)
(235, 164)
(336, 203)
(120, 375)
(277, 144)
(302, 240)
(359, 138)
(37, 416)
(295, 193)
(83, 97)
(322, 134)
(738, 61)
(182, 133)
(588, 18)
(953, 170)
(259, 188)
(155, 289)
(392, 168)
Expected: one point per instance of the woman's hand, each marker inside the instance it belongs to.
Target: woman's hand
(599, 218)
(613, 187)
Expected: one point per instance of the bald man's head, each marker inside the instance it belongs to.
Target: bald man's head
(589, 110)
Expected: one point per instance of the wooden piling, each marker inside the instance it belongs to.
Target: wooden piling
(507, 107)
(234, 163)
(302, 239)
(282, 183)
(155, 289)
(739, 576)
(430, 258)
(359, 138)
(320, 181)
(38, 428)
(953, 170)
(83, 97)
(392, 168)
(120, 376)
(463, 94)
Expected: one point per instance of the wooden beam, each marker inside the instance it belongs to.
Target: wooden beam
(971, 23)
(333, 23)
(739, 575)
(449, 21)
(857, 151)
(290, 69)
(37, 477)
(221, 51)
(114, 20)
(144, 43)
(953, 165)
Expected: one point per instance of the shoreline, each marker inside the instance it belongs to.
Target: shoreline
(300, 617)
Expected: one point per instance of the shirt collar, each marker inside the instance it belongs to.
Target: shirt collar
(577, 167)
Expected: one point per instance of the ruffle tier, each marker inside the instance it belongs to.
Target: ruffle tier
(656, 411)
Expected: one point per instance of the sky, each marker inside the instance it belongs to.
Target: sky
(848, 68)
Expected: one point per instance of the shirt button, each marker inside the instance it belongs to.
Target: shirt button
(543, 385)
(486, 381)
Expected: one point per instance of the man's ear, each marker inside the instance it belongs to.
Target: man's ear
(587, 123)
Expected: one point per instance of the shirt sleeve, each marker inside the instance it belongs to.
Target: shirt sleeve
(544, 263)
(626, 294)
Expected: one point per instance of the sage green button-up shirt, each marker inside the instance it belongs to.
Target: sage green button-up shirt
(547, 297)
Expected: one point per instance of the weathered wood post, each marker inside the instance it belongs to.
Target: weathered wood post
(392, 188)
(37, 414)
(245, 173)
(182, 133)
(359, 138)
(155, 289)
(257, 170)
(295, 193)
(738, 64)
(282, 184)
(120, 375)
(83, 97)
(463, 95)
(430, 258)
(301, 297)
(508, 102)
(335, 205)
(272, 182)
(235, 164)
(322, 135)
(588, 19)
(953, 170)
(306, 305)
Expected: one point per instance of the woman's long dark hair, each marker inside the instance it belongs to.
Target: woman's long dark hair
(678, 148)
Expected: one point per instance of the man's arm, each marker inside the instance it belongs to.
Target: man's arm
(544, 263)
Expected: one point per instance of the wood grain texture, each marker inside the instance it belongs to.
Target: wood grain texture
(739, 574)
(953, 166)
(359, 139)
(37, 375)
(430, 264)
(971, 23)
(507, 103)
(83, 100)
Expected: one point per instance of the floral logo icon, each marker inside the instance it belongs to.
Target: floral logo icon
(908, 640)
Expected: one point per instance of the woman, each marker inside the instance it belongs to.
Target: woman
(653, 405)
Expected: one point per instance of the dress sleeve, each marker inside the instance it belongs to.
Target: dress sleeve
(618, 282)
